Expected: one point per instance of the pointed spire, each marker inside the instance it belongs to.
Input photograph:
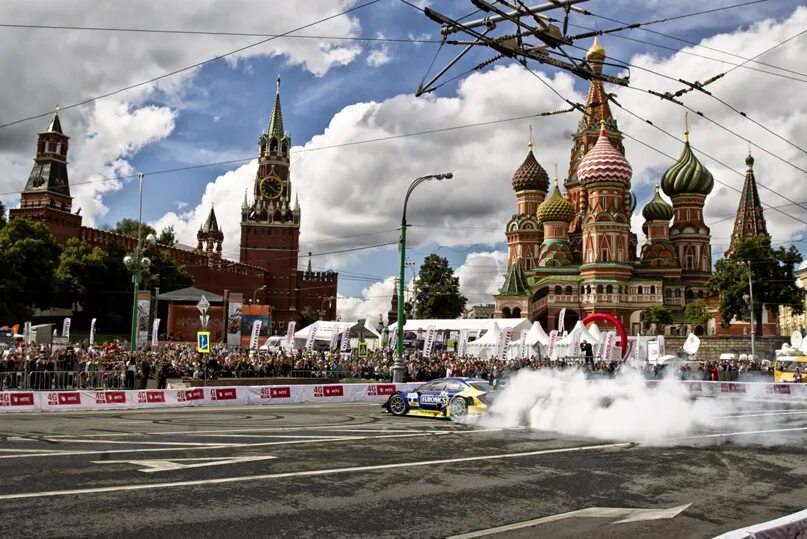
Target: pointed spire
(686, 127)
(55, 125)
(212, 224)
(245, 204)
(309, 262)
(529, 144)
(276, 120)
(750, 220)
(296, 202)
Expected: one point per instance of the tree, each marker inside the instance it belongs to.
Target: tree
(696, 313)
(772, 272)
(164, 272)
(657, 315)
(307, 317)
(3, 215)
(437, 291)
(128, 227)
(28, 259)
(167, 236)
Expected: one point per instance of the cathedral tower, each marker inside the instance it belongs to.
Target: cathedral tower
(750, 221)
(524, 235)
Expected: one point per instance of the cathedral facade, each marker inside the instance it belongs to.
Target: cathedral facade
(575, 250)
(270, 229)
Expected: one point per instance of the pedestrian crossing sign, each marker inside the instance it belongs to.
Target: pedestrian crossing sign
(361, 349)
(203, 342)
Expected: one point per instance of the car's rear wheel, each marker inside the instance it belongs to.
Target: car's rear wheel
(396, 405)
(458, 407)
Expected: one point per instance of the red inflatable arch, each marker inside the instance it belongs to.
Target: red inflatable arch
(623, 336)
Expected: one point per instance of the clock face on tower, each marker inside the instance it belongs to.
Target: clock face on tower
(271, 187)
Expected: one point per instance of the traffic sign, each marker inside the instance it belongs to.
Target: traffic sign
(203, 305)
(361, 349)
(203, 342)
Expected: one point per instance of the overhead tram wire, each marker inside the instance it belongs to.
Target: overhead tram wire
(318, 148)
(188, 68)
(642, 26)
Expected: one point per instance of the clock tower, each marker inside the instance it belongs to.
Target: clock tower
(270, 223)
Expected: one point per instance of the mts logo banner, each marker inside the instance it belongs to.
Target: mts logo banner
(148, 397)
(110, 397)
(17, 399)
(224, 394)
(732, 388)
(275, 392)
(329, 391)
(68, 397)
(195, 394)
(381, 389)
(779, 388)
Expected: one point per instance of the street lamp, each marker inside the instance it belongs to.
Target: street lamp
(255, 293)
(322, 306)
(398, 369)
(750, 300)
(136, 264)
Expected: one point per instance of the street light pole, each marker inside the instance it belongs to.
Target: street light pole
(399, 369)
(751, 307)
(255, 293)
(136, 265)
(322, 306)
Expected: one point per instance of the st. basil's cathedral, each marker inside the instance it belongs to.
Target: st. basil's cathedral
(576, 251)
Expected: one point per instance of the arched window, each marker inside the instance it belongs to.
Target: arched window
(517, 312)
(609, 289)
(690, 294)
(263, 148)
(700, 293)
(273, 146)
(506, 312)
(668, 293)
(599, 289)
(640, 290)
(678, 292)
(588, 289)
(558, 290)
(652, 289)
(568, 290)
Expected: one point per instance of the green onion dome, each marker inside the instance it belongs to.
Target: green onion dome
(657, 209)
(530, 175)
(604, 163)
(555, 208)
(687, 175)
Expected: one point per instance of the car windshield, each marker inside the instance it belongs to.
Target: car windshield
(481, 386)
(789, 366)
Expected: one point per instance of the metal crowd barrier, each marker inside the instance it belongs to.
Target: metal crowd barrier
(61, 380)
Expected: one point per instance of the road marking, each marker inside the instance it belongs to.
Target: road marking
(341, 428)
(152, 466)
(761, 414)
(625, 514)
(309, 473)
(740, 433)
(83, 441)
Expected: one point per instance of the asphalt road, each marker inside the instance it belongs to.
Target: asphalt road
(350, 470)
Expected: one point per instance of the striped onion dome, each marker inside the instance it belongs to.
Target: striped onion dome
(687, 175)
(657, 209)
(631, 201)
(603, 162)
(555, 207)
(530, 175)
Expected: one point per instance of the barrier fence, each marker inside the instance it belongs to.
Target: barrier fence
(26, 401)
(62, 380)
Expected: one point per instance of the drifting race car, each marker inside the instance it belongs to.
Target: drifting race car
(445, 397)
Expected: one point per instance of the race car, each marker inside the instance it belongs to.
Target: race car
(445, 397)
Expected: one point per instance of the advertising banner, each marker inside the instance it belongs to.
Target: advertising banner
(428, 342)
(652, 351)
(334, 337)
(143, 316)
(574, 344)
(344, 345)
(522, 344)
(252, 313)
(256, 331)
(290, 333)
(234, 312)
(155, 328)
(552, 351)
(661, 348)
(66, 328)
(507, 334)
(562, 321)
(607, 354)
(312, 334)
(92, 332)
(462, 345)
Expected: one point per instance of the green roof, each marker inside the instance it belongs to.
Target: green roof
(515, 283)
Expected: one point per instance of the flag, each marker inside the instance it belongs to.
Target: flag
(154, 331)
(551, 349)
(256, 331)
(463, 342)
(312, 333)
(562, 320)
(92, 332)
(334, 336)
(290, 333)
(428, 342)
(661, 349)
(574, 343)
(345, 344)
(66, 328)
(522, 345)
(506, 334)
(607, 354)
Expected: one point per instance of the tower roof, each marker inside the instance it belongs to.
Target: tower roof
(657, 209)
(515, 283)
(55, 126)
(276, 120)
(603, 162)
(596, 53)
(555, 207)
(750, 220)
(211, 224)
(687, 174)
(530, 175)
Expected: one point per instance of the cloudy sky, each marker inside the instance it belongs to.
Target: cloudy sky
(348, 97)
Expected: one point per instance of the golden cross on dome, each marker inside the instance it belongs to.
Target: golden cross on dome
(530, 144)
(686, 126)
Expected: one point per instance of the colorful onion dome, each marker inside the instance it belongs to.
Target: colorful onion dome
(687, 174)
(530, 175)
(657, 209)
(603, 162)
(555, 208)
(596, 53)
(631, 201)
(749, 160)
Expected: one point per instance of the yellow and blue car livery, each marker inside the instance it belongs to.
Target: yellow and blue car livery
(449, 398)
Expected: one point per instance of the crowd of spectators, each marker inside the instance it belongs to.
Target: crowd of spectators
(113, 366)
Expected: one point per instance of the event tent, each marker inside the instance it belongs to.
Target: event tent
(324, 332)
(473, 325)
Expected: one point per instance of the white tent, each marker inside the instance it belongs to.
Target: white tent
(474, 325)
(485, 347)
(325, 330)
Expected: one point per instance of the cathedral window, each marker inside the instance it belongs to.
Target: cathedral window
(678, 292)
(59, 148)
(599, 289)
(641, 291)
(652, 289)
(609, 289)
(558, 290)
(690, 294)
(568, 290)
(700, 293)
(604, 255)
(668, 293)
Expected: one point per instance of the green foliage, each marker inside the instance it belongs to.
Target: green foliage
(437, 291)
(28, 256)
(696, 313)
(167, 237)
(308, 316)
(3, 215)
(128, 227)
(656, 314)
(164, 273)
(773, 274)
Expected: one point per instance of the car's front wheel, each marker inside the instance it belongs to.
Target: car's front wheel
(397, 405)
(458, 408)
